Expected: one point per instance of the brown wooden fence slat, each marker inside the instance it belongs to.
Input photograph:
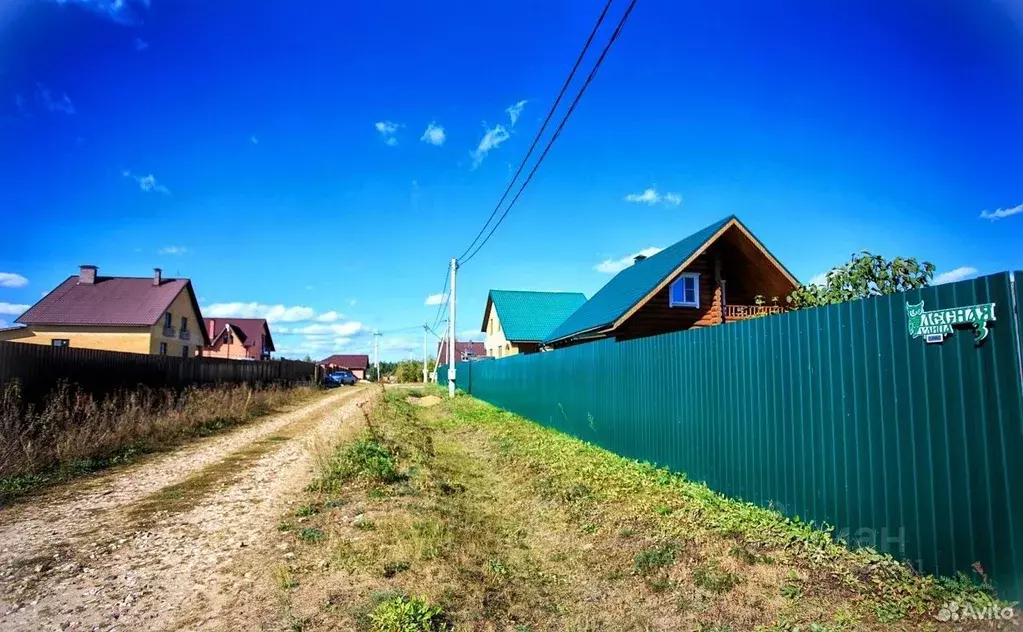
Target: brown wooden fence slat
(39, 368)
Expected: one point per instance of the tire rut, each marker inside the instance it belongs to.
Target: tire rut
(142, 547)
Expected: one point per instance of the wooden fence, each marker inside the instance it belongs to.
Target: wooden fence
(39, 368)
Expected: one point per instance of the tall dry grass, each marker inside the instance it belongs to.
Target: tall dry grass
(74, 427)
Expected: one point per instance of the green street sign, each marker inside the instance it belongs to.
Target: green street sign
(938, 324)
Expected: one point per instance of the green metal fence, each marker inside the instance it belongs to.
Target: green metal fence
(835, 414)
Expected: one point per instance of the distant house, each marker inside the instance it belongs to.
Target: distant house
(464, 351)
(151, 315)
(239, 338)
(518, 321)
(357, 364)
(710, 277)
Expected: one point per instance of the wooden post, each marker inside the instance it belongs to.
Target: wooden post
(718, 294)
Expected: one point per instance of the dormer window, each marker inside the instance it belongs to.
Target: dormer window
(685, 291)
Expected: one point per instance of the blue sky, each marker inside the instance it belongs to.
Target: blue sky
(281, 155)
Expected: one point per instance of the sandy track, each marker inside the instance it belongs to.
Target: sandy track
(157, 546)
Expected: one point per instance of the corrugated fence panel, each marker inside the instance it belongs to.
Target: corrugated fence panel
(833, 414)
(39, 368)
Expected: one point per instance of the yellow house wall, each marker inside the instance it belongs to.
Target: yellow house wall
(497, 345)
(180, 306)
(129, 339)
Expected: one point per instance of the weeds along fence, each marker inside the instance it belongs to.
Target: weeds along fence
(836, 415)
(40, 368)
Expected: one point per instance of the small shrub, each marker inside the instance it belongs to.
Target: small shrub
(311, 534)
(744, 555)
(663, 510)
(366, 457)
(714, 579)
(650, 560)
(363, 523)
(392, 569)
(408, 614)
(285, 526)
(306, 510)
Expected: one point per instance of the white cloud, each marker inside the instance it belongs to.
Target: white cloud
(146, 183)
(613, 266)
(652, 197)
(1001, 213)
(433, 135)
(272, 313)
(172, 250)
(346, 329)
(492, 138)
(434, 299)
(514, 111)
(387, 130)
(329, 317)
(253, 140)
(3, 323)
(351, 301)
(13, 309)
(10, 279)
(958, 274)
(124, 12)
(52, 103)
(820, 280)
(470, 335)
(141, 44)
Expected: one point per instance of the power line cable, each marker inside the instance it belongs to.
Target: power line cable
(557, 132)
(442, 304)
(539, 134)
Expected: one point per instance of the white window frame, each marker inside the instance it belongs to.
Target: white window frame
(695, 276)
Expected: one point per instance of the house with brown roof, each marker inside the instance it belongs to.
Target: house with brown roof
(239, 338)
(150, 315)
(356, 363)
(464, 351)
(719, 274)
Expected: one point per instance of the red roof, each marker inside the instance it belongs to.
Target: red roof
(110, 301)
(475, 349)
(248, 330)
(348, 361)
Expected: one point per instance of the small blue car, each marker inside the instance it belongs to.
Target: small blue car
(339, 378)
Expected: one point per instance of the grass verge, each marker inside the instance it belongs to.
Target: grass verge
(74, 435)
(462, 516)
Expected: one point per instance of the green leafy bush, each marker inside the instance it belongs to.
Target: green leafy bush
(366, 457)
(408, 614)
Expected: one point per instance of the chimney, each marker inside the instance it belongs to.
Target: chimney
(212, 328)
(157, 272)
(87, 275)
(638, 258)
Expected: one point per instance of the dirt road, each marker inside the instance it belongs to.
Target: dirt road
(159, 545)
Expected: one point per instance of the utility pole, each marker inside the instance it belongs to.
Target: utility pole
(426, 341)
(451, 333)
(376, 352)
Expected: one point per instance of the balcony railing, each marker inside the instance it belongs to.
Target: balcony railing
(745, 312)
(169, 332)
(184, 334)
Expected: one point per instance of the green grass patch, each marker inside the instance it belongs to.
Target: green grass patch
(408, 614)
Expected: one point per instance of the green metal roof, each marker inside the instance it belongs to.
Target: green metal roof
(630, 285)
(531, 316)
